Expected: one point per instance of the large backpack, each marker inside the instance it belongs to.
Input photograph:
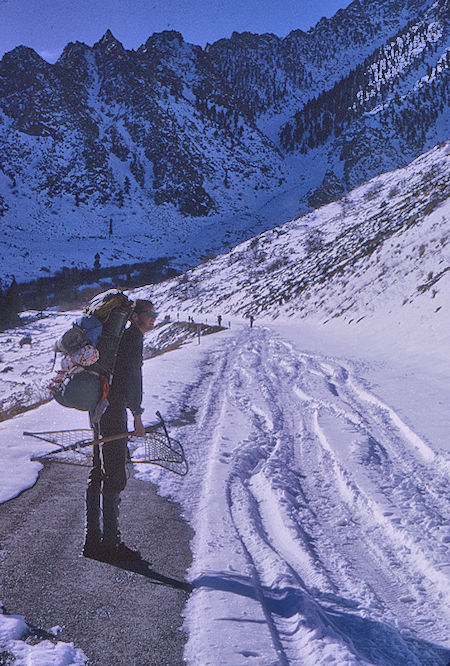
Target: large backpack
(89, 351)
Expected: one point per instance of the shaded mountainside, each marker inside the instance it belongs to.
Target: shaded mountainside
(386, 109)
(190, 150)
(269, 73)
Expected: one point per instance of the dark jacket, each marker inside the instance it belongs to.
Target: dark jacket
(126, 386)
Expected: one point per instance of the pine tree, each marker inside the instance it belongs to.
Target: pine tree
(10, 306)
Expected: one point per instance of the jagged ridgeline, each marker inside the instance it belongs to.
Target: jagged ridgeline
(190, 150)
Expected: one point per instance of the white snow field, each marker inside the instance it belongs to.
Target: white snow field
(318, 491)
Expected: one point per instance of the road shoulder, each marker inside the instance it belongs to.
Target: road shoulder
(115, 615)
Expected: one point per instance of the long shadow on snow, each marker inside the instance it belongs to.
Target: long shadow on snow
(374, 641)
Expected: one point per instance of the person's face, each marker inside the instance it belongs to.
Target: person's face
(145, 321)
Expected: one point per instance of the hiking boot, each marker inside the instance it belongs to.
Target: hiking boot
(93, 549)
(119, 552)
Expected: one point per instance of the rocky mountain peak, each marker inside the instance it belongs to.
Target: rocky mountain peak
(23, 56)
(164, 42)
(73, 53)
(299, 35)
(109, 45)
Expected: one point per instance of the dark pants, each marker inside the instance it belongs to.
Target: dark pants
(110, 462)
(108, 476)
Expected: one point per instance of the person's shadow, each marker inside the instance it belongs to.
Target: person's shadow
(143, 568)
(376, 642)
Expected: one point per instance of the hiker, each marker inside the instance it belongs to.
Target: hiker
(219, 320)
(252, 319)
(108, 474)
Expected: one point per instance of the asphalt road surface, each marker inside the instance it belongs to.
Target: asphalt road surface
(117, 616)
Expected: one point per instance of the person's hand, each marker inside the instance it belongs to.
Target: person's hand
(139, 430)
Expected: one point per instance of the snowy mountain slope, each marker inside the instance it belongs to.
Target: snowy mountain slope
(180, 146)
(384, 245)
(25, 368)
(120, 141)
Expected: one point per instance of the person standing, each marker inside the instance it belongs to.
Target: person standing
(108, 475)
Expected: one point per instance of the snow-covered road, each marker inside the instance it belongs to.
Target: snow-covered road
(318, 492)
(321, 517)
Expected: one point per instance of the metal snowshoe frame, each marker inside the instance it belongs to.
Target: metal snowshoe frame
(156, 448)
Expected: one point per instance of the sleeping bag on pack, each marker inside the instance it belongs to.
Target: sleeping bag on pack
(82, 391)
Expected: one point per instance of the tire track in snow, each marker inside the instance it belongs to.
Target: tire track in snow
(324, 490)
(216, 531)
(403, 490)
(418, 558)
(388, 542)
(348, 493)
(297, 615)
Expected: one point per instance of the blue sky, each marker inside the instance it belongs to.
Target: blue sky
(48, 25)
